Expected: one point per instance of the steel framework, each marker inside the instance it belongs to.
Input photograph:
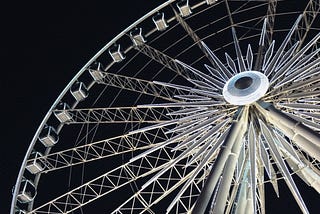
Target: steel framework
(155, 131)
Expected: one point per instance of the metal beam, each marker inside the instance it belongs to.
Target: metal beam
(142, 86)
(266, 33)
(303, 136)
(165, 60)
(271, 12)
(193, 36)
(275, 153)
(98, 150)
(309, 15)
(102, 185)
(228, 155)
(118, 115)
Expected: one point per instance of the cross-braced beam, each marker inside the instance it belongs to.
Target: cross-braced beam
(105, 184)
(144, 86)
(118, 115)
(100, 149)
(271, 12)
(193, 36)
(164, 59)
(310, 13)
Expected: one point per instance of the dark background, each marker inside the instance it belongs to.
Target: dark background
(43, 45)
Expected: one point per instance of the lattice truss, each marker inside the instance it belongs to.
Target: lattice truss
(193, 152)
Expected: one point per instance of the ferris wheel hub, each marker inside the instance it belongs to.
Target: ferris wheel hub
(245, 88)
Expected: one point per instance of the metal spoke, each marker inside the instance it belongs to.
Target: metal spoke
(119, 115)
(141, 86)
(271, 12)
(281, 164)
(164, 59)
(231, 145)
(310, 14)
(303, 136)
(286, 67)
(241, 63)
(275, 59)
(177, 135)
(252, 159)
(100, 186)
(193, 36)
(100, 149)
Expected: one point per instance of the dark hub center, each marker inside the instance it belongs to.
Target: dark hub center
(243, 82)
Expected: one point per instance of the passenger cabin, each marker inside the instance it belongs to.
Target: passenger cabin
(160, 22)
(61, 112)
(136, 36)
(20, 211)
(48, 136)
(184, 8)
(79, 91)
(116, 53)
(96, 71)
(209, 2)
(34, 165)
(27, 191)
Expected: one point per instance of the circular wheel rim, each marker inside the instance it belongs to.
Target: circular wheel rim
(301, 115)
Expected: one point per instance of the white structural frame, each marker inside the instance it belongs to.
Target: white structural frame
(243, 132)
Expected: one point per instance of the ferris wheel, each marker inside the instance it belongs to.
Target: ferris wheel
(199, 106)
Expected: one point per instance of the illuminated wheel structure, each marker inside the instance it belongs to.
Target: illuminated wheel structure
(197, 107)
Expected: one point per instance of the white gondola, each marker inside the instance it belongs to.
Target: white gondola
(159, 21)
(27, 191)
(184, 8)
(116, 53)
(34, 166)
(136, 36)
(48, 136)
(61, 112)
(96, 71)
(209, 2)
(19, 211)
(79, 91)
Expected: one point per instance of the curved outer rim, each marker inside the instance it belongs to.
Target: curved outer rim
(74, 79)
(66, 89)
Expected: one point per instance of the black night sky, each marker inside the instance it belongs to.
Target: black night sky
(43, 45)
